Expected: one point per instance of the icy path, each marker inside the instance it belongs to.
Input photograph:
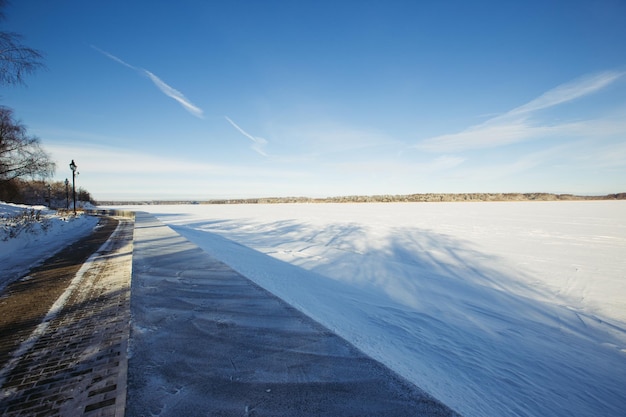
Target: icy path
(207, 341)
(513, 309)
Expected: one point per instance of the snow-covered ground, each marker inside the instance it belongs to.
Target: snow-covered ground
(515, 309)
(36, 240)
(497, 309)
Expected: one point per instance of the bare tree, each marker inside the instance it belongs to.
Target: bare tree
(16, 60)
(21, 155)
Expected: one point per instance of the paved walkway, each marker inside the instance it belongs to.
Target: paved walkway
(204, 341)
(74, 362)
(207, 341)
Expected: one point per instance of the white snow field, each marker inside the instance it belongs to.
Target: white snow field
(496, 309)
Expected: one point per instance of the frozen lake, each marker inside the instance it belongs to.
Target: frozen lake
(512, 308)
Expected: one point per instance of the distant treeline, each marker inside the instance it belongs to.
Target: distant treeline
(408, 198)
(54, 194)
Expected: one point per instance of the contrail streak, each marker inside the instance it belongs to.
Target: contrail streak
(175, 94)
(259, 143)
(161, 85)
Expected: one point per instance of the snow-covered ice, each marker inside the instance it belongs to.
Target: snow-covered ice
(515, 308)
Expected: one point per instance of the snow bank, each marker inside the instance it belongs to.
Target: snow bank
(513, 309)
(37, 242)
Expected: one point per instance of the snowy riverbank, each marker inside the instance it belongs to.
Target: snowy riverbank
(30, 234)
(514, 309)
(494, 308)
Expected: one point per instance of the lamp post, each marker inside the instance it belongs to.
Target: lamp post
(73, 167)
(67, 194)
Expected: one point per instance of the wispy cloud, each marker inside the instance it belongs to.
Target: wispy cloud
(258, 143)
(119, 161)
(487, 172)
(175, 94)
(114, 58)
(117, 172)
(165, 88)
(609, 156)
(569, 91)
(396, 167)
(517, 125)
(107, 160)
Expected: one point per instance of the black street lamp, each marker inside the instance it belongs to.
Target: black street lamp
(73, 167)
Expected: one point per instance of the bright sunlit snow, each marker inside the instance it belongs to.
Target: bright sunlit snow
(515, 309)
(36, 241)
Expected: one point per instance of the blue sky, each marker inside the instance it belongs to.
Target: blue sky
(210, 99)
